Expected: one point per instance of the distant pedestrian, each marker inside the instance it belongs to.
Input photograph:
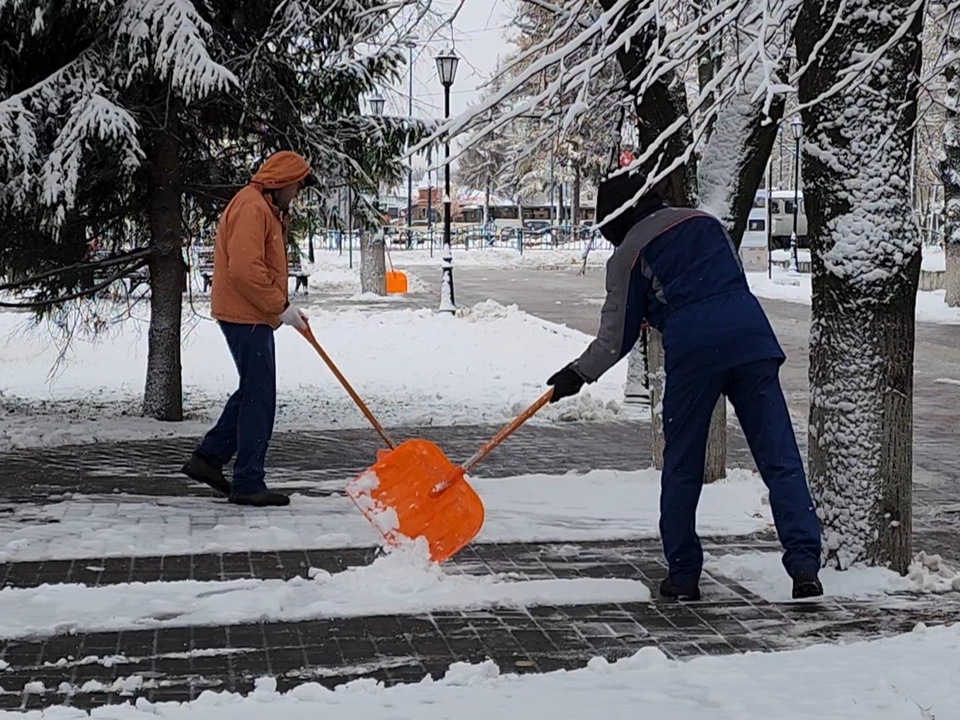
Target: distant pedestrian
(677, 269)
(249, 300)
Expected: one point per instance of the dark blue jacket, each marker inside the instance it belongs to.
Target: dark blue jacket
(686, 281)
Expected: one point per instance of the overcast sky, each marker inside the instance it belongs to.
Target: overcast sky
(479, 37)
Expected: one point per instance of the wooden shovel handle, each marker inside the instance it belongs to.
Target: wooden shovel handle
(308, 334)
(514, 425)
(492, 443)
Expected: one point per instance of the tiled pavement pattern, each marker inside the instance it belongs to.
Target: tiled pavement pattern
(180, 663)
(319, 463)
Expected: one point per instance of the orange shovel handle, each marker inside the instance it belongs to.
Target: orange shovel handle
(492, 443)
(308, 334)
(514, 425)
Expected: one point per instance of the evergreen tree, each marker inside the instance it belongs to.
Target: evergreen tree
(127, 125)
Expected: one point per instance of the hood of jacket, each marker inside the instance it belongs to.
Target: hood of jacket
(281, 169)
(620, 190)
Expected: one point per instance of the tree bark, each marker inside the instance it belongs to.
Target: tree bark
(163, 392)
(660, 105)
(575, 199)
(950, 164)
(373, 267)
(866, 266)
(952, 275)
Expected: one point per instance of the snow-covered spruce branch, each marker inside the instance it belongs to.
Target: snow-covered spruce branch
(95, 288)
(174, 33)
(75, 267)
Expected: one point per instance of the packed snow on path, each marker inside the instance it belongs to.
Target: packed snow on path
(400, 582)
(931, 306)
(762, 573)
(599, 505)
(909, 677)
(411, 366)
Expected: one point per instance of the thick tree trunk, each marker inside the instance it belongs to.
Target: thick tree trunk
(373, 267)
(663, 102)
(950, 164)
(866, 266)
(952, 278)
(163, 392)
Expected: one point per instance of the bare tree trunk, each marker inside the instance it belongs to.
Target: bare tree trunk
(163, 391)
(950, 164)
(373, 266)
(857, 153)
(575, 199)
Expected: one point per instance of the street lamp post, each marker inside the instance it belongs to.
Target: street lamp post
(447, 70)
(797, 126)
(411, 44)
(376, 107)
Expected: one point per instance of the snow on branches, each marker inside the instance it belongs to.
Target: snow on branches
(169, 39)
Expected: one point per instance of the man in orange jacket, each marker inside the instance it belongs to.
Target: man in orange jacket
(249, 301)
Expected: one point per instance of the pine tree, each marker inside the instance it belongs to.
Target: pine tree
(118, 120)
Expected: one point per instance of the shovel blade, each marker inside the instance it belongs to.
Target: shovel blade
(396, 496)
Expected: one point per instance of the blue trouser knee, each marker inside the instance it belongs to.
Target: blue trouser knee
(246, 423)
(755, 393)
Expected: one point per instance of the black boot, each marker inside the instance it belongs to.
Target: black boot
(264, 498)
(669, 589)
(202, 471)
(806, 585)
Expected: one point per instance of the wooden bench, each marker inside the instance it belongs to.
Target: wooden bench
(303, 279)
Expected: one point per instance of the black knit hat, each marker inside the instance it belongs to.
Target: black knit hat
(620, 190)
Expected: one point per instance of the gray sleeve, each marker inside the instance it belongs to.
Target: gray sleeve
(604, 352)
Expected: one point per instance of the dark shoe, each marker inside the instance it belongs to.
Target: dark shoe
(806, 585)
(264, 498)
(679, 592)
(200, 470)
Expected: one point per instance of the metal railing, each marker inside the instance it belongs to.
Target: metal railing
(470, 238)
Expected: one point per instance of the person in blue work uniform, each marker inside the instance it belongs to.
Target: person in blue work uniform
(678, 270)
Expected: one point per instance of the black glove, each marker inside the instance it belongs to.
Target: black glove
(566, 382)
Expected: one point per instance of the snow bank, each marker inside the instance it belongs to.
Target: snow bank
(401, 582)
(931, 306)
(910, 676)
(599, 505)
(411, 366)
(934, 258)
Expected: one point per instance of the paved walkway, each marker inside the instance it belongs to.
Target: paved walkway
(179, 662)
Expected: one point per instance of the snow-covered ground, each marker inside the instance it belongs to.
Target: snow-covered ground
(760, 573)
(931, 306)
(910, 677)
(603, 504)
(411, 366)
(398, 583)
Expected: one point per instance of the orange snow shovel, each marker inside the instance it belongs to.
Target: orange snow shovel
(415, 491)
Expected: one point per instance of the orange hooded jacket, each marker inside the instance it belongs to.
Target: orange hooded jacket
(250, 251)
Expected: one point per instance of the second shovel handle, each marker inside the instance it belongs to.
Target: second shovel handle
(514, 425)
